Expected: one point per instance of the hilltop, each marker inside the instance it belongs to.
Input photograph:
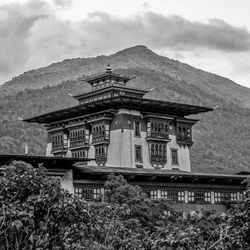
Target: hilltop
(222, 137)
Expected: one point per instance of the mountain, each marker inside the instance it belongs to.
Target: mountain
(222, 137)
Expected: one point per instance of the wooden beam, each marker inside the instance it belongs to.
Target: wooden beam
(173, 178)
(195, 179)
(152, 178)
(211, 180)
(130, 177)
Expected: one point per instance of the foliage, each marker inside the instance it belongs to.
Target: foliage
(240, 220)
(36, 213)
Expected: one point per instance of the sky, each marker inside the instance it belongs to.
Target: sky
(213, 35)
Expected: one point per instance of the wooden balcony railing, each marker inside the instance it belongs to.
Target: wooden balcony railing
(101, 138)
(78, 143)
(61, 147)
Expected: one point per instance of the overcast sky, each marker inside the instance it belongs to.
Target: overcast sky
(213, 35)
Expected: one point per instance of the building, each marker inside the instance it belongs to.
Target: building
(114, 129)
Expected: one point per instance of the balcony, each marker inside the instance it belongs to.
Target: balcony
(159, 136)
(100, 139)
(59, 148)
(158, 159)
(184, 141)
(79, 143)
(101, 159)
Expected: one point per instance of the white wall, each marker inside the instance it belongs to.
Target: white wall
(67, 181)
(121, 150)
(48, 149)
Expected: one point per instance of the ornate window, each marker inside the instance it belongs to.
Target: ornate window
(199, 196)
(172, 195)
(158, 153)
(79, 153)
(234, 197)
(164, 194)
(137, 129)
(153, 194)
(96, 193)
(190, 196)
(78, 137)
(88, 192)
(100, 132)
(217, 197)
(207, 197)
(100, 152)
(225, 196)
(59, 141)
(183, 134)
(158, 129)
(181, 196)
(174, 156)
(138, 153)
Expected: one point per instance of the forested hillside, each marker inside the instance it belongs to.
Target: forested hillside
(222, 137)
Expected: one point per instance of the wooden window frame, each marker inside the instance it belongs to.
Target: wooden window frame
(137, 129)
(153, 194)
(158, 152)
(217, 197)
(181, 196)
(138, 159)
(174, 150)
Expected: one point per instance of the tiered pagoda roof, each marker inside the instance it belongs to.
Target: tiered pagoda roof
(109, 92)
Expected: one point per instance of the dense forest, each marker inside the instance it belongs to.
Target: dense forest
(221, 138)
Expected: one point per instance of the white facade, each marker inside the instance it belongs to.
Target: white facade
(123, 141)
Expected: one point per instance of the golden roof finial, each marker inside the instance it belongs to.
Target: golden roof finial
(108, 69)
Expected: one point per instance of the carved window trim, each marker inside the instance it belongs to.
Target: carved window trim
(82, 153)
(100, 132)
(137, 129)
(174, 157)
(158, 153)
(138, 153)
(158, 129)
(59, 141)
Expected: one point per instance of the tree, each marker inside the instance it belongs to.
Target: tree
(36, 213)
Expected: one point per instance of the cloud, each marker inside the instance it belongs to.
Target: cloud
(32, 35)
(16, 23)
(62, 3)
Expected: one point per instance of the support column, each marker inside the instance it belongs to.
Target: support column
(186, 196)
(158, 194)
(212, 197)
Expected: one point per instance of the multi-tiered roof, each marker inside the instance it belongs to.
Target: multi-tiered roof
(109, 91)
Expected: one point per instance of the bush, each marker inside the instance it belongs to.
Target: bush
(36, 213)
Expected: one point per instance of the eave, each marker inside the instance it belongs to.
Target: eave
(108, 89)
(105, 75)
(146, 175)
(49, 162)
(122, 101)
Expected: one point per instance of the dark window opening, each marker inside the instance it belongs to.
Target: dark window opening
(174, 156)
(138, 153)
(137, 129)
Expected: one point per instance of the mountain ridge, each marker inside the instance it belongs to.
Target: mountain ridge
(138, 56)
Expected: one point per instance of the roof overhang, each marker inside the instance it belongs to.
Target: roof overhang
(122, 101)
(156, 175)
(92, 93)
(48, 162)
(105, 75)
